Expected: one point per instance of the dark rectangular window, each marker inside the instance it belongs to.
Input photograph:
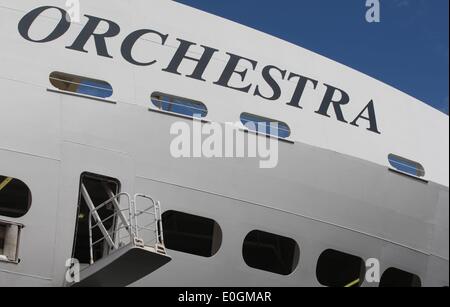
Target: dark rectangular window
(191, 234)
(393, 278)
(15, 197)
(270, 252)
(337, 269)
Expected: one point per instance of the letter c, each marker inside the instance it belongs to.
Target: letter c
(26, 22)
(130, 40)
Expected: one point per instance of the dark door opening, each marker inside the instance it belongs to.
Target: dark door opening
(99, 188)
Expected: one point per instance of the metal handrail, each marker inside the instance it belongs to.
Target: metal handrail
(159, 224)
(132, 226)
(109, 235)
(153, 210)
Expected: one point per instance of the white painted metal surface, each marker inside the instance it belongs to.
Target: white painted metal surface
(331, 189)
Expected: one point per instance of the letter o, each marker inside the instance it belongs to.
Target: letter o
(26, 22)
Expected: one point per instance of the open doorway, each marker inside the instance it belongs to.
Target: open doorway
(99, 189)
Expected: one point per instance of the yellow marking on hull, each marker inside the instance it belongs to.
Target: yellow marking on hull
(352, 283)
(5, 183)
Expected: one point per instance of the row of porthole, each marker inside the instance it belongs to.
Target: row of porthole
(164, 102)
(273, 253)
(192, 108)
(261, 250)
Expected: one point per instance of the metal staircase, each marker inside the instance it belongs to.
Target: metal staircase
(132, 248)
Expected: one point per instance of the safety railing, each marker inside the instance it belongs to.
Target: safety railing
(147, 221)
(131, 225)
(120, 234)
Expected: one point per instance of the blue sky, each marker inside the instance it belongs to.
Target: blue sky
(408, 49)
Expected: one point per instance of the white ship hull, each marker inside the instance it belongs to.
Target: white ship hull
(332, 188)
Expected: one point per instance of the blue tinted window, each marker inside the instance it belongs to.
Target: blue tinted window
(179, 105)
(94, 88)
(406, 166)
(265, 125)
(81, 85)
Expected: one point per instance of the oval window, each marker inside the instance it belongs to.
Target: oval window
(394, 278)
(265, 125)
(81, 85)
(338, 269)
(270, 252)
(406, 166)
(15, 197)
(178, 105)
(191, 234)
